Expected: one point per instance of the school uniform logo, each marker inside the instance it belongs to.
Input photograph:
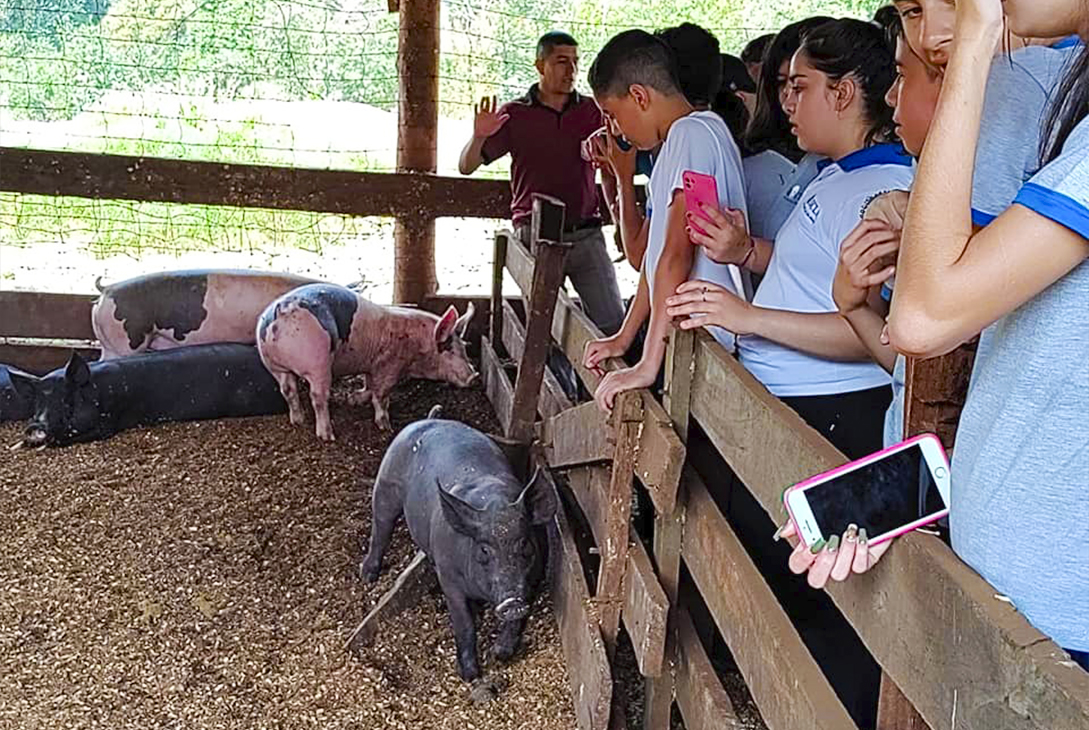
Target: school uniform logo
(812, 209)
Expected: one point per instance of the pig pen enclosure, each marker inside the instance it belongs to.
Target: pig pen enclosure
(203, 575)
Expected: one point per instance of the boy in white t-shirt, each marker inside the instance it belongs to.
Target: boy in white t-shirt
(635, 85)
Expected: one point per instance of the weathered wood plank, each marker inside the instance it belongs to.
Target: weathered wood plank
(626, 419)
(922, 613)
(935, 391)
(496, 383)
(579, 435)
(548, 276)
(520, 266)
(43, 357)
(701, 697)
(583, 648)
(118, 177)
(572, 329)
(646, 610)
(785, 680)
(894, 711)
(768, 445)
(46, 315)
(646, 606)
(499, 264)
(411, 585)
(669, 526)
(661, 456)
(553, 399)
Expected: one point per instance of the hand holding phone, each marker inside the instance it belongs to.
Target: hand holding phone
(886, 494)
(699, 190)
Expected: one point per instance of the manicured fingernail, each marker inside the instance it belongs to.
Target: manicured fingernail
(778, 533)
(833, 544)
(817, 546)
(862, 535)
(852, 534)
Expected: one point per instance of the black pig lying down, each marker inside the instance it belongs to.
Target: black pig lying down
(13, 406)
(86, 402)
(475, 520)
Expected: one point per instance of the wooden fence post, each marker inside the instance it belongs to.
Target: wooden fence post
(934, 393)
(499, 263)
(549, 253)
(669, 529)
(417, 144)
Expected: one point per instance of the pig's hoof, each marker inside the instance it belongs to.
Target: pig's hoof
(487, 689)
(326, 435)
(297, 419)
(469, 673)
(368, 573)
(383, 423)
(505, 651)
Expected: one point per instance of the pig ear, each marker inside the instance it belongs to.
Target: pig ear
(462, 516)
(464, 320)
(539, 498)
(77, 371)
(446, 325)
(26, 386)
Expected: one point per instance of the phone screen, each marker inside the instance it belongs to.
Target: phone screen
(881, 496)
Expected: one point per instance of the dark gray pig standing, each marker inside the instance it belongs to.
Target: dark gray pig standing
(85, 402)
(480, 526)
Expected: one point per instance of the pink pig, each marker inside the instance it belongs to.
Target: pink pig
(321, 330)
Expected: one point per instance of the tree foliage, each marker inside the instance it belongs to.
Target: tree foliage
(59, 56)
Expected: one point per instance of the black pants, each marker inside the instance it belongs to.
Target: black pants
(853, 422)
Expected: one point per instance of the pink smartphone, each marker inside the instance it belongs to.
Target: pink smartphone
(699, 189)
(888, 493)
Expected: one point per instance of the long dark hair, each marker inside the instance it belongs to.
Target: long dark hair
(855, 48)
(1070, 107)
(769, 128)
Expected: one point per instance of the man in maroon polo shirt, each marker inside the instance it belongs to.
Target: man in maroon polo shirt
(543, 132)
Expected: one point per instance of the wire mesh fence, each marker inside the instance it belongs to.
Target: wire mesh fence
(304, 83)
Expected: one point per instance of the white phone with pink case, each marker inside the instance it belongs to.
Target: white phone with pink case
(889, 493)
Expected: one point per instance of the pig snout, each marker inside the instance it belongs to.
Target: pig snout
(34, 436)
(512, 609)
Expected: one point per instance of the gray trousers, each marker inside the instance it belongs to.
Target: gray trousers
(593, 275)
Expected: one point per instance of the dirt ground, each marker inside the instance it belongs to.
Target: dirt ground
(203, 575)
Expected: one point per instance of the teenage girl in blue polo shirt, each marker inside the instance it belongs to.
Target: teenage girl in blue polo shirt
(791, 337)
(1020, 490)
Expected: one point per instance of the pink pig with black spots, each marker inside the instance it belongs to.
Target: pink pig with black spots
(320, 331)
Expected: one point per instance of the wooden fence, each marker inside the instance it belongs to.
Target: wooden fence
(955, 655)
(950, 648)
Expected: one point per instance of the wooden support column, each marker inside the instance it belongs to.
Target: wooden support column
(549, 253)
(934, 393)
(417, 144)
(669, 529)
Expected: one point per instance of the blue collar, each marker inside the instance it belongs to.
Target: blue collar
(1072, 41)
(878, 154)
